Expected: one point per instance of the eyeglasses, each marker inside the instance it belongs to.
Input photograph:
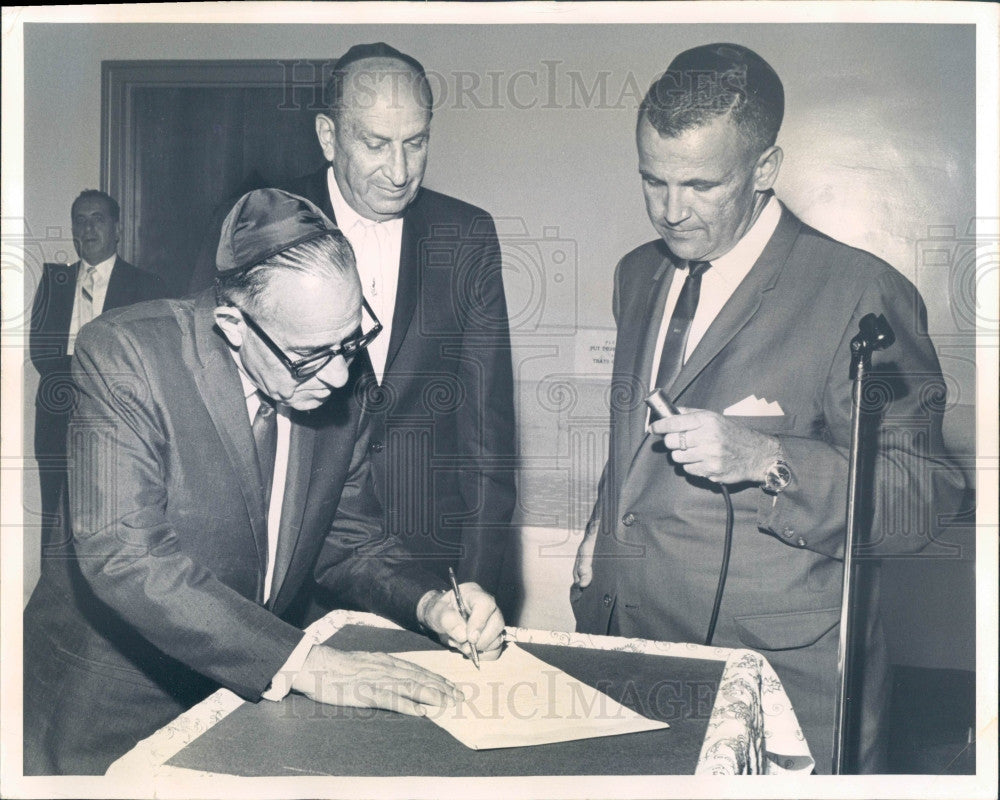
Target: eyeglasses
(309, 366)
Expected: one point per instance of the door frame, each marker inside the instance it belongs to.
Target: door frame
(302, 79)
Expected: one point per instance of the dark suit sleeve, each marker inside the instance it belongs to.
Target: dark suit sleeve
(486, 428)
(51, 311)
(359, 562)
(36, 347)
(911, 477)
(125, 545)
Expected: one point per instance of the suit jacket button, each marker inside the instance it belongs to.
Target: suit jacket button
(788, 533)
(376, 446)
(607, 600)
(629, 519)
(801, 542)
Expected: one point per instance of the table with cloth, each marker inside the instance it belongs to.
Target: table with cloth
(727, 710)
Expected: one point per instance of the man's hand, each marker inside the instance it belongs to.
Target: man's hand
(371, 680)
(439, 611)
(583, 572)
(712, 446)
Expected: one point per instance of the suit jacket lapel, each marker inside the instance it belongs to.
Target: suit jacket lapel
(121, 286)
(318, 192)
(415, 232)
(297, 479)
(643, 316)
(59, 314)
(743, 304)
(218, 381)
(653, 314)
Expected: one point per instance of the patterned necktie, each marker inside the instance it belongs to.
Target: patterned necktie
(87, 285)
(87, 309)
(265, 439)
(675, 342)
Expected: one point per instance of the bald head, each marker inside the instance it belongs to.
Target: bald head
(368, 70)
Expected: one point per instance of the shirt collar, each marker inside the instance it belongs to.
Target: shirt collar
(245, 382)
(738, 261)
(102, 270)
(347, 217)
(249, 388)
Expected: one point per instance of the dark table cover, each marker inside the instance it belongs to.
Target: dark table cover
(299, 737)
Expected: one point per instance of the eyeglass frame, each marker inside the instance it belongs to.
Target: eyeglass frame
(356, 343)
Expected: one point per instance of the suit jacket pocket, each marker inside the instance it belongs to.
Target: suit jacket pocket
(109, 665)
(786, 631)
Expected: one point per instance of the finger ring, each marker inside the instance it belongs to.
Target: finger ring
(684, 441)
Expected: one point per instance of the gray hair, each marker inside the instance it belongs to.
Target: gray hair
(325, 256)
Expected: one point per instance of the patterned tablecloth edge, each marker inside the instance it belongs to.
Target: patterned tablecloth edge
(750, 695)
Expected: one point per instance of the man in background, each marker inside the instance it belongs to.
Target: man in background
(220, 460)
(743, 315)
(441, 389)
(68, 297)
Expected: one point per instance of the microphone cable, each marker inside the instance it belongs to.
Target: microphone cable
(661, 405)
(724, 570)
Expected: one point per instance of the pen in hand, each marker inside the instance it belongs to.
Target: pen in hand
(464, 611)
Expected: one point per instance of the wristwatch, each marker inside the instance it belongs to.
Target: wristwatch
(777, 477)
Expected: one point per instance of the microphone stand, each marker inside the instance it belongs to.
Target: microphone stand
(874, 334)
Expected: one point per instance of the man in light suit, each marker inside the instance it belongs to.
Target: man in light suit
(743, 315)
(221, 460)
(68, 296)
(441, 398)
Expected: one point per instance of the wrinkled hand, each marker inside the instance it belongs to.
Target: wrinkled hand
(485, 626)
(372, 680)
(713, 446)
(583, 571)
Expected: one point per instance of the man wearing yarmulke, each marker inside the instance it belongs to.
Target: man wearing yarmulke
(221, 459)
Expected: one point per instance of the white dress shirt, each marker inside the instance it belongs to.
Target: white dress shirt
(278, 480)
(85, 309)
(281, 684)
(718, 282)
(377, 246)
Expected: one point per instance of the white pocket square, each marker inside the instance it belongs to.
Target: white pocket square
(753, 406)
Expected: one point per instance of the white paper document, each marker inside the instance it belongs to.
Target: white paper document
(519, 700)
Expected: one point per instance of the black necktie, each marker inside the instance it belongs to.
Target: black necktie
(675, 342)
(265, 439)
